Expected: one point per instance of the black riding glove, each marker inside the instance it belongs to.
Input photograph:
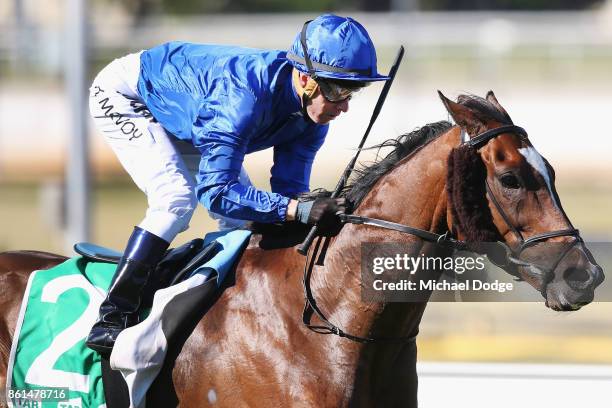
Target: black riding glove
(322, 212)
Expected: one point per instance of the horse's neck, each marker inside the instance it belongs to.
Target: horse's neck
(414, 190)
(413, 193)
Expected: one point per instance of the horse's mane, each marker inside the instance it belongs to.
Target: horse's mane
(367, 175)
(359, 185)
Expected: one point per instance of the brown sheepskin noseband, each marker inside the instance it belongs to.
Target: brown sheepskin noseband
(467, 196)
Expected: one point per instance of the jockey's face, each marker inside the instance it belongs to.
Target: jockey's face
(322, 111)
(319, 108)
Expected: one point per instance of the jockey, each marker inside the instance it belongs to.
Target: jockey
(179, 110)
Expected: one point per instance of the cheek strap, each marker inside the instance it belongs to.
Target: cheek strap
(309, 90)
(304, 93)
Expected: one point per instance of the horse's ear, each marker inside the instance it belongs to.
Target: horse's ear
(463, 116)
(491, 98)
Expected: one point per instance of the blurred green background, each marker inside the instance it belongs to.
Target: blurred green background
(547, 61)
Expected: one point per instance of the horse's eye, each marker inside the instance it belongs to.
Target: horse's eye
(509, 180)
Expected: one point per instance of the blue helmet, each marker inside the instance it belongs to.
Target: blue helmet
(336, 48)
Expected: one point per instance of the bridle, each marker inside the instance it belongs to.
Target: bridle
(511, 256)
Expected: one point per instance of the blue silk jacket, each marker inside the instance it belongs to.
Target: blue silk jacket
(230, 101)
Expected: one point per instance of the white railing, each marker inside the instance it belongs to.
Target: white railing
(502, 385)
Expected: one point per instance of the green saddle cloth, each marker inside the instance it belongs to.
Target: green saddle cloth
(49, 364)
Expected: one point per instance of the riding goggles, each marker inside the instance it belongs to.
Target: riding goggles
(334, 92)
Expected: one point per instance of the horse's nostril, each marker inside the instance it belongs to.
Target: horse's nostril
(576, 275)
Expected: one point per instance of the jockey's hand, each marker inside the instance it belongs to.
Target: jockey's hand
(322, 212)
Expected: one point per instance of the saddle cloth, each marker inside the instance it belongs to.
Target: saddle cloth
(61, 304)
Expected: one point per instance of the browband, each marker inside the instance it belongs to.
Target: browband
(480, 140)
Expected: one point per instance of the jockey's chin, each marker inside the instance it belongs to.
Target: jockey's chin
(323, 119)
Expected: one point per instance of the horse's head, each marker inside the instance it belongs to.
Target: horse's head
(501, 189)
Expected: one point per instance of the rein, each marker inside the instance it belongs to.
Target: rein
(310, 307)
(443, 239)
(512, 257)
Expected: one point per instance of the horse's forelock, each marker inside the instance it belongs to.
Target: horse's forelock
(467, 195)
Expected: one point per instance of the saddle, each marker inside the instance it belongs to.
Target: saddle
(177, 265)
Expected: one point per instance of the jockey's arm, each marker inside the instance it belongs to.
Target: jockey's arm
(290, 174)
(222, 137)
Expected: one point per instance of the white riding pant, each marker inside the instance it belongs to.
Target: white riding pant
(162, 167)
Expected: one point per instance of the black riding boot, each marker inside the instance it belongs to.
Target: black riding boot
(119, 310)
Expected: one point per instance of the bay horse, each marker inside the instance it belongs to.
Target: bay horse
(252, 348)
